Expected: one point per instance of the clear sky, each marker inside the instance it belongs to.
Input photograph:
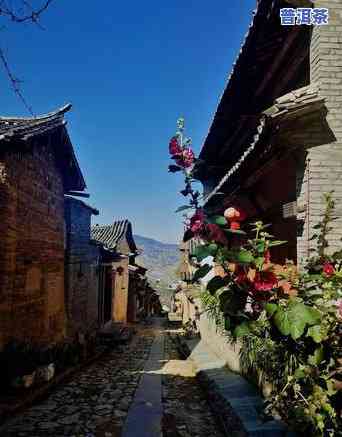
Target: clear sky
(130, 69)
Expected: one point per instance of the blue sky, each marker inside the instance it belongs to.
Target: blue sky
(130, 69)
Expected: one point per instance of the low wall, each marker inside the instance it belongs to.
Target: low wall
(219, 343)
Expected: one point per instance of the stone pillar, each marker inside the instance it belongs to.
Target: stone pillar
(322, 170)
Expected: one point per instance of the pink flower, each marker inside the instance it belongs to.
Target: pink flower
(328, 269)
(174, 147)
(265, 281)
(186, 158)
(215, 233)
(197, 224)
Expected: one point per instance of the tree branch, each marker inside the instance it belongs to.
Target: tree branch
(14, 81)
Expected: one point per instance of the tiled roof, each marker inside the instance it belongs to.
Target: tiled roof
(23, 128)
(111, 235)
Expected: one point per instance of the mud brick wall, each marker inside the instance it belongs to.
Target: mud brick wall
(82, 275)
(31, 244)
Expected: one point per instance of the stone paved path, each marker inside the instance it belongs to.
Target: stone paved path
(97, 399)
(124, 385)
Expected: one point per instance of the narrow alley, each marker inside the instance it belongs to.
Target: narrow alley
(105, 398)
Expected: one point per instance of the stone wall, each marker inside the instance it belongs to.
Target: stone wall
(31, 245)
(322, 167)
(82, 274)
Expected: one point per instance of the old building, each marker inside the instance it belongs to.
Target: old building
(37, 167)
(82, 264)
(118, 239)
(274, 145)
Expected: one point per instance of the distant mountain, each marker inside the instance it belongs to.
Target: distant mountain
(161, 259)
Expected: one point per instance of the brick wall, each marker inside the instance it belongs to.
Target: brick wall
(322, 168)
(31, 245)
(82, 274)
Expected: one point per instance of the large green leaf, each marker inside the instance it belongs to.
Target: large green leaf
(282, 321)
(241, 330)
(235, 231)
(201, 272)
(293, 319)
(215, 283)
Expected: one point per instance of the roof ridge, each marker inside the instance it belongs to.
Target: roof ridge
(60, 111)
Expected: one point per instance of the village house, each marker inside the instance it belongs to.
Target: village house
(37, 168)
(275, 143)
(82, 265)
(128, 282)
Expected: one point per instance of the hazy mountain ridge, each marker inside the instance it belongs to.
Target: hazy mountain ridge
(161, 259)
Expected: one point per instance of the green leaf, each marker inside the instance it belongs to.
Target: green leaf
(235, 231)
(227, 323)
(244, 257)
(213, 248)
(271, 308)
(261, 246)
(317, 357)
(215, 283)
(276, 243)
(315, 333)
(259, 262)
(293, 319)
(218, 220)
(202, 252)
(282, 322)
(241, 330)
(201, 272)
(299, 372)
(183, 208)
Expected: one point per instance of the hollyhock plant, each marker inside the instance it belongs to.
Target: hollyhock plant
(215, 233)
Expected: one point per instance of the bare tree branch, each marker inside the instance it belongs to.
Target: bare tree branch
(15, 82)
(20, 13)
(28, 13)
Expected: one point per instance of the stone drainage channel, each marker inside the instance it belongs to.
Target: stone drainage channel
(140, 390)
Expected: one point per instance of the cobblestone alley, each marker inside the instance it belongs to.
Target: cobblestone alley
(98, 400)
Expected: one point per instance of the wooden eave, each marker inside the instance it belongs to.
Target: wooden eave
(254, 81)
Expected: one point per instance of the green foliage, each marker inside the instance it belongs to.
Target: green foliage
(201, 272)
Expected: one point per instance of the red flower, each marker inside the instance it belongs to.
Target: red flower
(234, 226)
(328, 269)
(215, 233)
(186, 158)
(174, 147)
(265, 281)
(241, 276)
(197, 224)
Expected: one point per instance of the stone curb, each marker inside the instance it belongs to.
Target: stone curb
(233, 400)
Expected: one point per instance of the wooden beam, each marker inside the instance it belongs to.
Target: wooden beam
(279, 59)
